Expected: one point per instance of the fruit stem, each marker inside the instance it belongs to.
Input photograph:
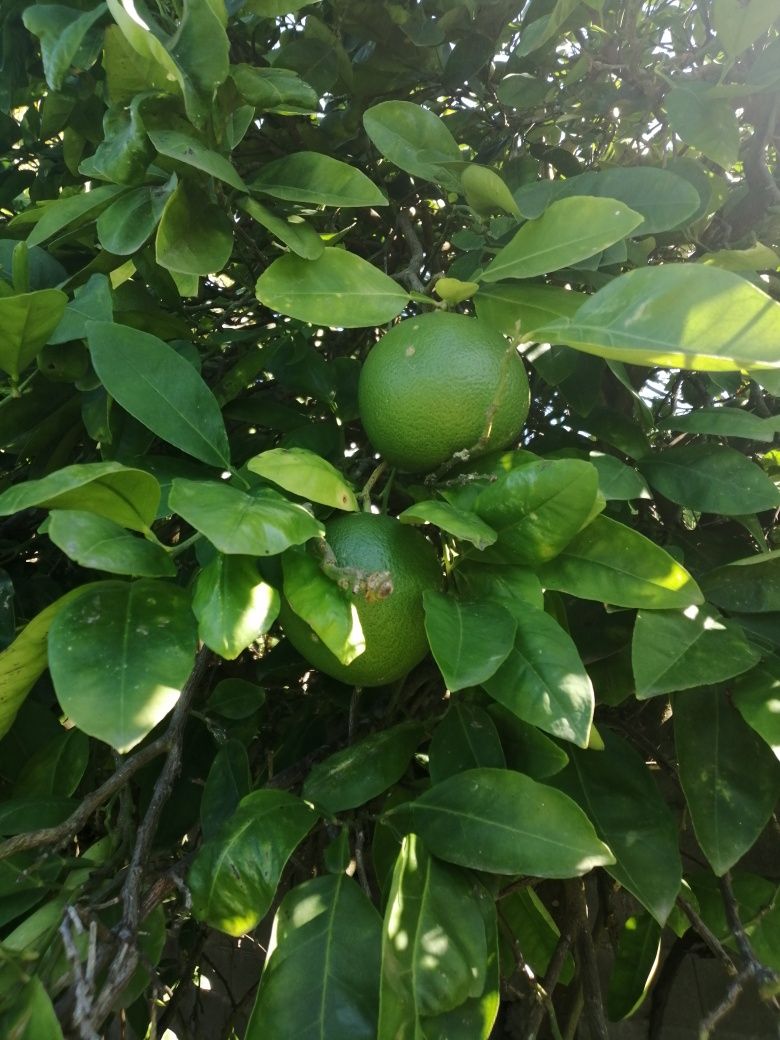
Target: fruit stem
(372, 585)
(368, 487)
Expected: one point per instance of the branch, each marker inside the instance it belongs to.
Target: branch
(591, 984)
(410, 274)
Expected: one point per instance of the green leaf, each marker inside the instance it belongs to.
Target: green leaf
(21, 815)
(228, 781)
(57, 767)
(527, 925)
(740, 25)
(362, 771)
(74, 209)
(711, 478)
(128, 222)
(432, 960)
(677, 316)
(102, 545)
(543, 681)
(323, 606)
(486, 192)
(26, 323)
(236, 699)
(527, 749)
(538, 508)
(123, 679)
(24, 661)
(704, 122)
(538, 32)
(124, 153)
(326, 932)
(676, 649)
(297, 235)
(65, 38)
(616, 564)
(37, 1014)
(260, 524)
(634, 967)
(617, 481)
(515, 588)
(272, 8)
(505, 823)
(756, 697)
(194, 236)
(274, 90)
(91, 302)
(305, 474)
(161, 389)
(188, 150)
(730, 778)
(461, 525)
(466, 738)
(469, 641)
(724, 422)
(317, 179)
(413, 139)
(127, 496)
(619, 794)
(662, 197)
(516, 310)
(570, 230)
(130, 72)
(475, 1018)
(751, 585)
(200, 50)
(338, 289)
(233, 605)
(234, 876)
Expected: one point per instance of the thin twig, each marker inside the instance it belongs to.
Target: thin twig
(410, 274)
(733, 993)
(589, 974)
(711, 941)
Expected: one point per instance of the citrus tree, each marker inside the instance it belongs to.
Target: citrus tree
(390, 576)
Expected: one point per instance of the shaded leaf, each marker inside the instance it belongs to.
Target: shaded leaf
(95, 542)
(298, 236)
(462, 525)
(756, 697)
(751, 585)
(194, 236)
(26, 322)
(323, 606)
(317, 179)
(413, 139)
(187, 149)
(466, 738)
(636, 961)
(228, 781)
(469, 641)
(711, 478)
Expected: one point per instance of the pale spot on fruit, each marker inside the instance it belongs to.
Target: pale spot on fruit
(410, 351)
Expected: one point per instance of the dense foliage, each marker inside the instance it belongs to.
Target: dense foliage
(212, 210)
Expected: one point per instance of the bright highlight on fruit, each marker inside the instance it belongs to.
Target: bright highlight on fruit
(393, 625)
(438, 384)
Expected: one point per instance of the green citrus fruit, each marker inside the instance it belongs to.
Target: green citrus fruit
(393, 627)
(438, 384)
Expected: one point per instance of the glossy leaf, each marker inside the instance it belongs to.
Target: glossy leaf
(469, 641)
(679, 316)
(188, 150)
(127, 496)
(26, 322)
(711, 478)
(537, 509)
(123, 679)
(543, 681)
(317, 179)
(298, 236)
(323, 606)
(124, 153)
(570, 230)
(72, 210)
(227, 783)
(128, 222)
(363, 770)
(664, 199)
(738, 27)
(676, 649)
(237, 523)
(327, 932)
(617, 481)
(636, 961)
(616, 564)
(751, 585)
(274, 90)
(619, 794)
(730, 777)
(704, 122)
(505, 823)
(194, 235)
(24, 661)
(462, 525)
(413, 139)
(724, 422)
(64, 35)
(236, 698)
(91, 302)
(432, 960)
(527, 749)
(466, 738)
(233, 605)
(338, 289)
(161, 389)
(516, 310)
(234, 876)
(305, 474)
(756, 697)
(95, 542)
(540, 30)
(529, 928)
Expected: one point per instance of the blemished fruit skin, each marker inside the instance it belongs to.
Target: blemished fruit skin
(438, 384)
(393, 627)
